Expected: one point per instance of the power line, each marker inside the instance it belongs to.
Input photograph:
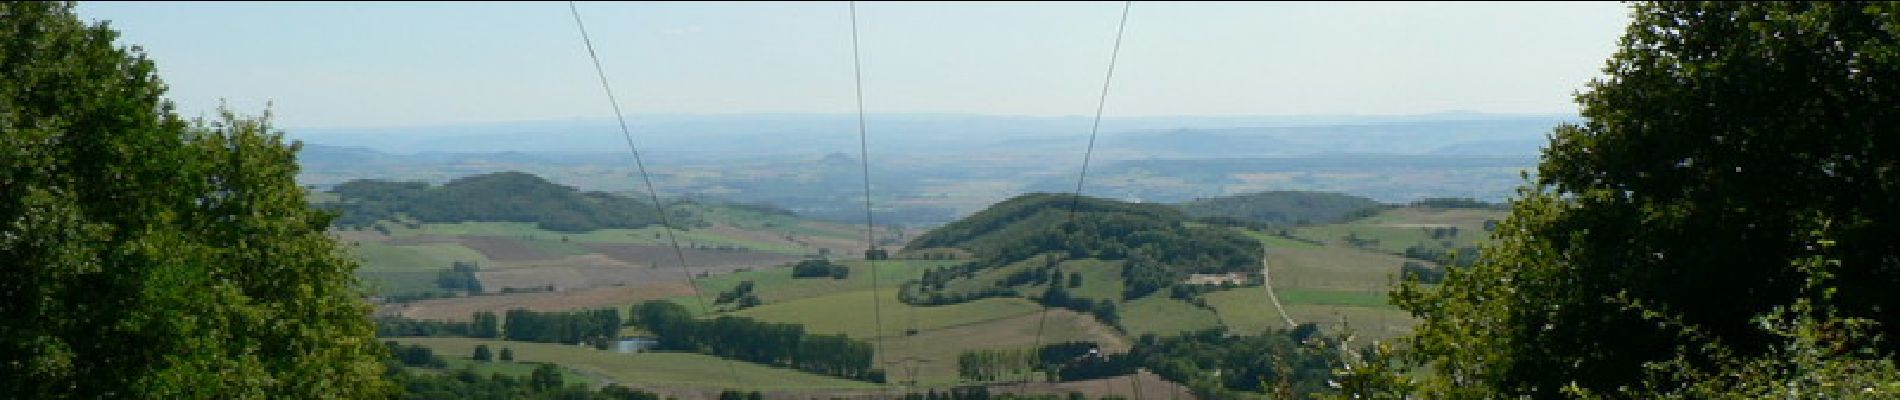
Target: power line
(1094, 129)
(870, 225)
(652, 194)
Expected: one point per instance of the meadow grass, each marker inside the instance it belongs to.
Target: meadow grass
(1160, 315)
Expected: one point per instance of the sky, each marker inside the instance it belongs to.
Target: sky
(339, 64)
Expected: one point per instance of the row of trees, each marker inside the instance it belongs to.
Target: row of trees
(396, 326)
(783, 345)
(820, 268)
(545, 382)
(994, 365)
(596, 327)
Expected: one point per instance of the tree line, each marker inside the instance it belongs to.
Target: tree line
(546, 381)
(820, 268)
(595, 327)
(776, 344)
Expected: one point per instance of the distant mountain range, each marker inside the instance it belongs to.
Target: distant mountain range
(769, 135)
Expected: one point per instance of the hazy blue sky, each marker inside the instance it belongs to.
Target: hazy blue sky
(390, 64)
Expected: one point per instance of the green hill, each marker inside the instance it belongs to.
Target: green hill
(1156, 242)
(495, 197)
(1282, 208)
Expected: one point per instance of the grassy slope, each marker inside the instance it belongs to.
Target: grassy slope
(1100, 279)
(1161, 315)
(662, 369)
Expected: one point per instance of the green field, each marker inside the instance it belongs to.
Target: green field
(648, 235)
(1302, 296)
(1100, 279)
(1161, 315)
(390, 269)
(1399, 228)
(1245, 310)
(658, 369)
(850, 313)
(1276, 241)
(414, 258)
(1367, 323)
(1333, 268)
(776, 285)
(509, 368)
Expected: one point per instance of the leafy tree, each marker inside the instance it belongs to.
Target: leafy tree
(482, 353)
(1722, 133)
(150, 256)
(485, 325)
(545, 377)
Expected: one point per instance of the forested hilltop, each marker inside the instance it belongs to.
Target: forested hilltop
(1156, 245)
(495, 197)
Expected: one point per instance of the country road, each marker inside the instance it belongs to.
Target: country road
(1266, 279)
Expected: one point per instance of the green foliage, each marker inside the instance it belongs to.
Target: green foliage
(1722, 132)
(1279, 208)
(1287, 363)
(415, 356)
(397, 326)
(507, 354)
(820, 268)
(485, 325)
(566, 327)
(483, 354)
(741, 297)
(495, 197)
(150, 256)
(460, 276)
